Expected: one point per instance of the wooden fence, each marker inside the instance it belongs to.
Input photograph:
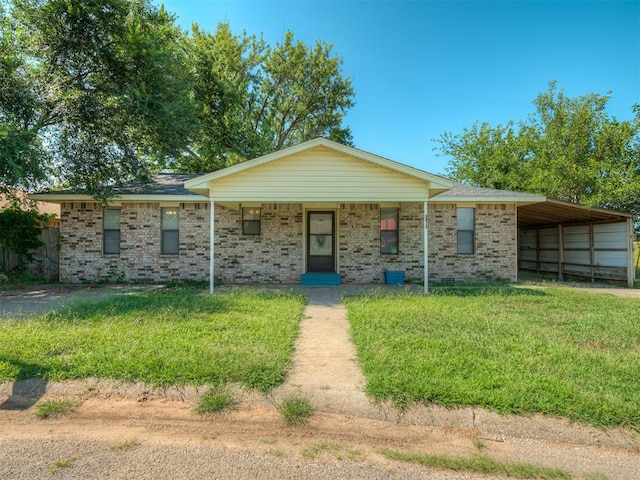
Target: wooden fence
(45, 264)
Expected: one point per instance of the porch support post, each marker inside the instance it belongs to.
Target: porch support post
(212, 217)
(426, 246)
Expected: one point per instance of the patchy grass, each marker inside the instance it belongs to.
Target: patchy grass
(480, 464)
(173, 337)
(295, 410)
(216, 400)
(56, 407)
(66, 463)
(322, 447)
(558, 352)
(128, 445)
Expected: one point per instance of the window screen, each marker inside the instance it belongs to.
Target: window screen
(466, 233)
(111, 231)
(250, 220)
(170, 230)
(389, 231)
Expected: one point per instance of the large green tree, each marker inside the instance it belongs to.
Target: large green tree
(253, 98)
(570, 148)
(96, 92)
(93, 91)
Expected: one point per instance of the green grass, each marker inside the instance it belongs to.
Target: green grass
(172, 337)
(128, 445)
(56, 407)
(216, 400)
(480, 464)
(60, 464)
(558, 352)
(295, 410)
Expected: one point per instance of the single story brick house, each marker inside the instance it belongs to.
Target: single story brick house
(317, 212)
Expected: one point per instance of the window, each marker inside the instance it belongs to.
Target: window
(170, 231)
(389, 231)
(466, 236)
(111, 231)
(250, 220)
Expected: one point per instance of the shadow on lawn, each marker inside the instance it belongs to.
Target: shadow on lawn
(26, 392)
(180, 304)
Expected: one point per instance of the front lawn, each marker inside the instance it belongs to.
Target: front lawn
(554, 351)
(172, 337)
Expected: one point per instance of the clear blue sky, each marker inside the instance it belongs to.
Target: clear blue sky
(420, 68)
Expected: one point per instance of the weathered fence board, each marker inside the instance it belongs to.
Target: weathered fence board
(45, 264)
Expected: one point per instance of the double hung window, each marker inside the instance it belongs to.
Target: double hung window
(170, 231)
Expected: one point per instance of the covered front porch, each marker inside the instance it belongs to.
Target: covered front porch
(317, 243)
(318, 208)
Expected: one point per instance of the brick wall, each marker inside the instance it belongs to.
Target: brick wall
(495, 254)
(276, 256)
(81, 257)
(360, 260)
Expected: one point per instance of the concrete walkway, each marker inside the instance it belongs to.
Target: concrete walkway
(325, 369)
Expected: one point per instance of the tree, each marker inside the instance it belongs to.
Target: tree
(93, 91)
(253, 99)
(569, 149)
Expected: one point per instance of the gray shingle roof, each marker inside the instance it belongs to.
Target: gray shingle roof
(161, 184)
(460, 190)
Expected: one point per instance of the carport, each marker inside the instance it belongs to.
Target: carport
(572, 240)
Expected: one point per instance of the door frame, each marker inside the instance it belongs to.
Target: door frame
(305, 256)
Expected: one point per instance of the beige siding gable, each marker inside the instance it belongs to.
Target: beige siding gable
(319, 174)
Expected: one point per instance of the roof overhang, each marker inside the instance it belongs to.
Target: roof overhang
(553, 212)
(521, 199)
(80, 197)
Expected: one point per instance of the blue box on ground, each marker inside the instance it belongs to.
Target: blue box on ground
(394, 277)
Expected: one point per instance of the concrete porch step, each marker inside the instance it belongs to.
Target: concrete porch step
(320, 279)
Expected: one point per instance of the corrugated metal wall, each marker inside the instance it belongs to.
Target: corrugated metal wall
(596, 251)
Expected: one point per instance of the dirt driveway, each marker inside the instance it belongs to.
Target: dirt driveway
(42, 298)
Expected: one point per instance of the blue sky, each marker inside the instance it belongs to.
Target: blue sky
(420, 68)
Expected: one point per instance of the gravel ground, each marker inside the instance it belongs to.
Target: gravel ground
(97, 460)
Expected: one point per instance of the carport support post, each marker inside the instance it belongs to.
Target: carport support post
(630, 256)
(560, 253)
(426, 247)
(212, 217)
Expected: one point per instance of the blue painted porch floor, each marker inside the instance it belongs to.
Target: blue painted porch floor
(320, 279)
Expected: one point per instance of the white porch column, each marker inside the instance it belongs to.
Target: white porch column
(425, 211)
(212, 230)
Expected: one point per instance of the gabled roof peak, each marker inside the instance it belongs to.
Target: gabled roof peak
(437, 182)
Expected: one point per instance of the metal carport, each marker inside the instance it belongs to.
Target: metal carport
(568, 239)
